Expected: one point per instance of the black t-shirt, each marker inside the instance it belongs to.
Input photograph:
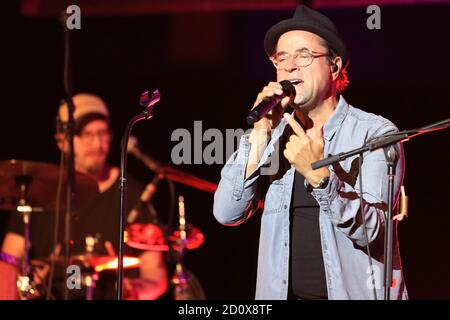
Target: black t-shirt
(98, 218)
(307, 272)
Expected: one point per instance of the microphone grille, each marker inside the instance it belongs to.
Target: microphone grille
(288, 88)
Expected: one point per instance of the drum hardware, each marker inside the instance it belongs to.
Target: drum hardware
(150, 237)
(180, 279)
(41, 188)
(25, 286)
(91, 266)
(29, 187)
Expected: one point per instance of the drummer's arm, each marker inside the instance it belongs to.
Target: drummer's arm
(13, 245)
(153, 281)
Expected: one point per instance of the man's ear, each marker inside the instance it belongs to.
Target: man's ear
(61, 142)
(336, 67)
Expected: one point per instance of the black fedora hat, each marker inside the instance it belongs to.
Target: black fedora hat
(310, 20)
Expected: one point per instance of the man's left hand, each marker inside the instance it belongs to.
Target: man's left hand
(301, 151)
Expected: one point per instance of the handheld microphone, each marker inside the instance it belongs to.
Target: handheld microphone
(269, 103)
(133, 148)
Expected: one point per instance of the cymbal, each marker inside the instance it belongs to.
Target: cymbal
(111, 263)
(150, 237)
(43, 184)
(91, 261)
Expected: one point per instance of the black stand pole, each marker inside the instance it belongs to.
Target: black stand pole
(70, 194)
(386, 142)
(71, 188)
(148, 102)
(391, 159)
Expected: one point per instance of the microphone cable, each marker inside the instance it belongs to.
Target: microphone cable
(56, 223)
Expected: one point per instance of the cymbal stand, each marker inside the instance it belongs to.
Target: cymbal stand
(180, 278)
(91, 277)
(25, 285)
(90, 280)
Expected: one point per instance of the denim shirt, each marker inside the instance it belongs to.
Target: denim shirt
(347, 269)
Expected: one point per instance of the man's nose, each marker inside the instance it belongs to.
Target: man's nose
(97, 140)
(291, 66)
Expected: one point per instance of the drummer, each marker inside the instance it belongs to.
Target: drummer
(98, 219)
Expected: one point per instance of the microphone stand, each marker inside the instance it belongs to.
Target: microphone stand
(148, 102)
(71, 187)
(391, 155)
(386, 142)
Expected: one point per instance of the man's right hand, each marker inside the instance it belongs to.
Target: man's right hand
(262, 129)
(273, 117)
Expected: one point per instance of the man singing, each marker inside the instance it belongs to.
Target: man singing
(313, 243)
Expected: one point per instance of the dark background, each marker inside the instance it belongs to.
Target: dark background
(209, 67)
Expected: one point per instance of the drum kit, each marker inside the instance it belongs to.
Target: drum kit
(30, 188)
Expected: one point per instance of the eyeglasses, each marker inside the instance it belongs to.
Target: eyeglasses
(302, 58)
(89, 137)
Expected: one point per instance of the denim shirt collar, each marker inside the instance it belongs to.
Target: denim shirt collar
(336, 119)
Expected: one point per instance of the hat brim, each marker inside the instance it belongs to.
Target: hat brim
(82, 121)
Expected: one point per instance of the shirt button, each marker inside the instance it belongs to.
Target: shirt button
(284, 281)
(285, 244)
(285, 207)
